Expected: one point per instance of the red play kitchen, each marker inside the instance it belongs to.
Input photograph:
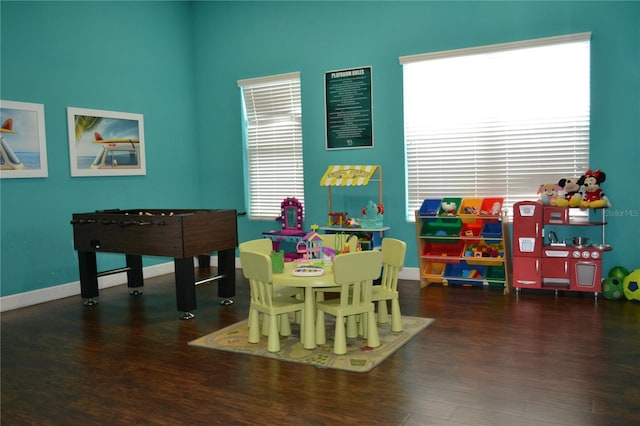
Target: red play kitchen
(543, 261)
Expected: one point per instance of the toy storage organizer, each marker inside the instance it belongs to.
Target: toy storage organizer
(461, 242)
(371, 230)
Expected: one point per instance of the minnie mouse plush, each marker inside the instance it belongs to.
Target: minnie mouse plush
(593, 197)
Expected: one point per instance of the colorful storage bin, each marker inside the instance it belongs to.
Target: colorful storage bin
(430, 207)
(469, 209)
(449, 206)
(471, 230)
(483, 253)
(444, 251)
(496, 276)
(433, 271)
(441, 228)
(464, 274)
(491, 207)
(492, 230)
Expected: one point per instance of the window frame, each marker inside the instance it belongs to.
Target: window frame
(572, 168)
(272, 142)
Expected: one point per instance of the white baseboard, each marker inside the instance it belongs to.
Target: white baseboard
(34, 297)
(28, 298)
(412, 274)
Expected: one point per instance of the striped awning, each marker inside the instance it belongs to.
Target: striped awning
(342, 175)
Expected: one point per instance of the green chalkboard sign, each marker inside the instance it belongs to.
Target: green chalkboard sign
(349, 108)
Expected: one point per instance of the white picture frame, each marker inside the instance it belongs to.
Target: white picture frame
(105, 143)
(23, 153)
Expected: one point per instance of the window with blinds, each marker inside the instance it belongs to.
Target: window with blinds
(496, 120)
(273, 142)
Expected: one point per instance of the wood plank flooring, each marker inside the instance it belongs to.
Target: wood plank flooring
(488, 359)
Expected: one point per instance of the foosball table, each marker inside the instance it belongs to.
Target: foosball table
(180, 234)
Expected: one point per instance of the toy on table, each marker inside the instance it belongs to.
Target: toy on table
(277, 261)
(302, 248)
(372, 215)
(352, 222)
(337, 219)
(310, 247)
(291, 215)
(308, 271)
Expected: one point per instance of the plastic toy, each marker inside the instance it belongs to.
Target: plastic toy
(594, 196)
(352, 222)
(549, 193)
(337, 219)
(313, 242)
(571, 194)
(484, 250)
(302, 248)
(631, 286)
(612, 288)
(372, 215)
(291, 215)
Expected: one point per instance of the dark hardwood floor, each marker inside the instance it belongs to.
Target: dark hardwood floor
(488, 359)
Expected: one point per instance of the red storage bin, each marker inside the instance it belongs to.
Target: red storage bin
(491, 207)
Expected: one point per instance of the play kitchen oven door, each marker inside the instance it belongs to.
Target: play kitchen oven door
(586, 269)
(571, 268)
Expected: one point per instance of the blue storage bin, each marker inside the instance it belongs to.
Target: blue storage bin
(464, 274)
(430, 207)
(492, 230)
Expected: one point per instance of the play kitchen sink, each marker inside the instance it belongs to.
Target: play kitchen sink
(574, 241)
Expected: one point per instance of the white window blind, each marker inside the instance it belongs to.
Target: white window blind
(496, 120)
(273, 142)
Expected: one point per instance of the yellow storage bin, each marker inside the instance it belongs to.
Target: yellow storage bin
(483, 253)
(433, 271)
(469, 209)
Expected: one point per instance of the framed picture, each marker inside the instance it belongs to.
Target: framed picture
(349, 108)
(24, 149)
(105, 143)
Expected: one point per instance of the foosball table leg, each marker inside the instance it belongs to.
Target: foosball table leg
(187, 316)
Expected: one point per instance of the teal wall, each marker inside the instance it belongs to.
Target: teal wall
(116, 56)
(178, 63)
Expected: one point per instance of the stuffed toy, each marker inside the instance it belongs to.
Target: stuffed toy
(571, 193)
(549, 193)
(594, 196)
(449, 208)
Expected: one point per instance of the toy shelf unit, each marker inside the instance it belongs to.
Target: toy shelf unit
(542, 260)
(461, 242)
(369, 225)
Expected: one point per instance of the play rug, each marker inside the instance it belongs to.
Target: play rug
(359, 358)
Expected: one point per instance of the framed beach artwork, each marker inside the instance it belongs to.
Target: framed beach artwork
(105, 143)
(23, 151)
